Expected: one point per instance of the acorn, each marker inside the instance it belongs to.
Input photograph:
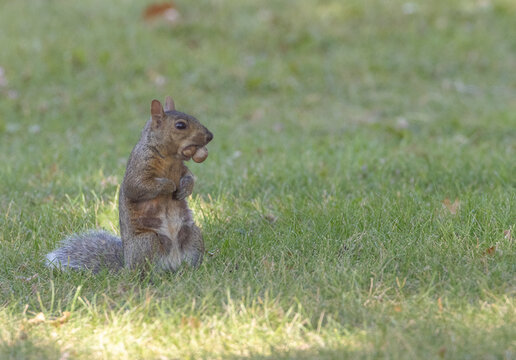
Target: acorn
(200, 155)
(189, 151)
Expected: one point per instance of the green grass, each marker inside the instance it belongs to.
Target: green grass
(340, 129)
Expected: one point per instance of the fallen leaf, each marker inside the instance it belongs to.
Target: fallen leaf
(441, 352)
(507, 234)
(440, 304)
(451, 207)
(397, 308)
(62, 319)
(38, 319)
(166, 11)
(491, 250)
(190, 321)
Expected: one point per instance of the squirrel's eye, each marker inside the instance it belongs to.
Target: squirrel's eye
(180, 125)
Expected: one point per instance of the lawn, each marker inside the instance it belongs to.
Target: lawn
(359, 200)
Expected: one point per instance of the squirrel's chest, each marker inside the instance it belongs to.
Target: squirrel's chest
(172, 170)
(162, 215)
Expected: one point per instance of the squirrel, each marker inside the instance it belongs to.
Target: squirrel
(156, 225)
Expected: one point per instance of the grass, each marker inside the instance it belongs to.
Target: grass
(341, 129)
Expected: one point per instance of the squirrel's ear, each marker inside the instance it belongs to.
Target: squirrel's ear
(169, 104)
(157, 112)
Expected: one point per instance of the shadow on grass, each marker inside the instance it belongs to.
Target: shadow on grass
(29, 349)
(314, 353)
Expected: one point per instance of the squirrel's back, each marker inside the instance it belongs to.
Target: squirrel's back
(91, 250)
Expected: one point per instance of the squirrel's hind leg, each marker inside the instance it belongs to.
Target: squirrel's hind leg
(150, 249)
(140, 251)
(192, 244)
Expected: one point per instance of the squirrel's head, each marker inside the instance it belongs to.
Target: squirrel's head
(181, 134)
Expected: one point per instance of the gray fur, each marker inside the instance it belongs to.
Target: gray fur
(156, 224)
(91, 250)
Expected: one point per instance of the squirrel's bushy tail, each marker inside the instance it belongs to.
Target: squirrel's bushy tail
(92, 250)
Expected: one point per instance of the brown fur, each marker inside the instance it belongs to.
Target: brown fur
(155, 220)
(156, 224)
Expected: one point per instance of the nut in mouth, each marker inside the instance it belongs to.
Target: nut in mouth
(196, 152)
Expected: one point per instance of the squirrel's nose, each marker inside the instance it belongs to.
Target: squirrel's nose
(209, 137)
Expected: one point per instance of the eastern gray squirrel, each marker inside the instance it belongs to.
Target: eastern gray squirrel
(156, 224)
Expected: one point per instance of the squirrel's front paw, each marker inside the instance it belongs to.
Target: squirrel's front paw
(186, 185)
(165, 185)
